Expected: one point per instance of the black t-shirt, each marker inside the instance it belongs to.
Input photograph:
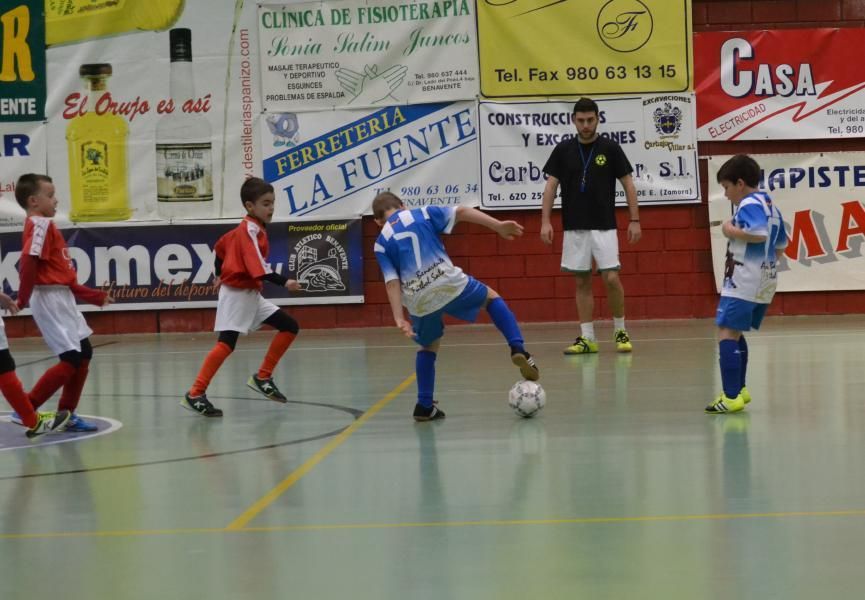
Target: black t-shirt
(592, 206)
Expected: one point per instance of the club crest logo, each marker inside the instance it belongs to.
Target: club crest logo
(320, 263)
(601, 160)
(668, 120)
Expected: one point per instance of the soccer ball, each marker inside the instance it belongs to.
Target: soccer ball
(527, 398)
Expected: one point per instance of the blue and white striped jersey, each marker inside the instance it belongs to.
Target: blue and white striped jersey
(750, 272)
(409, 249)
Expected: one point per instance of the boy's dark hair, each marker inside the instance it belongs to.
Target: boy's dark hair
(253, 189)
(28, 185)
(383, 203)
(585, 105)
(741, 167)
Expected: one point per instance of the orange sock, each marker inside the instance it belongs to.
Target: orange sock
(212, 362)
(72, 390)
(11, 387)
(277, 348)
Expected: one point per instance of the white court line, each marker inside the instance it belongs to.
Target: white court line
(45, 440)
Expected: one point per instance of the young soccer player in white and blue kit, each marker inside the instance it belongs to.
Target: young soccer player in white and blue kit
(756, 239)
(419, 274)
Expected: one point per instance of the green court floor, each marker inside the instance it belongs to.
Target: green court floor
(621, 488)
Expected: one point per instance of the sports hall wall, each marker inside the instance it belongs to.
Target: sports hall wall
(670, 273)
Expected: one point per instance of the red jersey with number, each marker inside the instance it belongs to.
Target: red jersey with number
(43, 240)
(242, 251)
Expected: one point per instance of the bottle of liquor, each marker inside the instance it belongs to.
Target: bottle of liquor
(97, 155)
(76, 20)
(184, 172)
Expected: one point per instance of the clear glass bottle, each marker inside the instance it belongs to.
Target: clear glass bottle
(184, 153)
(68, 21)
(98, 173)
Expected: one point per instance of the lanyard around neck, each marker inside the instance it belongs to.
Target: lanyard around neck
(586, 163)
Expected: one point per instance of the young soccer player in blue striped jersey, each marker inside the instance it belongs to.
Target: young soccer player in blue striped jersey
(756, 239)
(419, 274)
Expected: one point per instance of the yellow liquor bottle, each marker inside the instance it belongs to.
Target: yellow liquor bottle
(97, 156)
(69, 21)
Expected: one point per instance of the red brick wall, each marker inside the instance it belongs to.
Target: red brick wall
(667, 275)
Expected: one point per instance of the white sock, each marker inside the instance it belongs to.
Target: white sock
(618, 323)
(588, 331)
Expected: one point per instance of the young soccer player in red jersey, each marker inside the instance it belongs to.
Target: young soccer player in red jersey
(10, 386)
(241, 269)
(50, 285)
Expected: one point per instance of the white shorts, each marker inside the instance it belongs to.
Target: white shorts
(241, 310)
(4, 341)
(58, 318)
(581, 246)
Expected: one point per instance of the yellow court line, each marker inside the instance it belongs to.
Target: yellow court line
(490, 523)
(253, 511)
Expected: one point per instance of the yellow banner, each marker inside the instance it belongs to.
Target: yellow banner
(584, 47)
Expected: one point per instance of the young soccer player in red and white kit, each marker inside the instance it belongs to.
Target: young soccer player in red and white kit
(241, 269)
(50, 285)
(10, 386)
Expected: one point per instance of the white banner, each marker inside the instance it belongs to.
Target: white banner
(332, 164)
(22, 150)
(339, 53)
(657, 133)
(135, 135)
(821, 199)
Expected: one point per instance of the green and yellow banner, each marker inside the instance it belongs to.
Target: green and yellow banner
(22, 61)
(584, 47)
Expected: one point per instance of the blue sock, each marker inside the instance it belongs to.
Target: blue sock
(425, 369)
(506, 323)
(743, 353)
(731, 367)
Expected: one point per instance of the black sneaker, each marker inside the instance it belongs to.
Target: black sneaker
(424, 413)
(201, 405)
(528, 369)
(266, 388)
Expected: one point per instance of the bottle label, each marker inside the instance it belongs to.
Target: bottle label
(184, 172)
(58, 9)
(94, 171)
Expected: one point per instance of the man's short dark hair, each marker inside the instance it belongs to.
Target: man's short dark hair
(585, 105)
(741, 167)
(253, 189)
(28, 185)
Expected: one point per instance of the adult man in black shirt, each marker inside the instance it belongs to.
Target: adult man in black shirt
(587, 168)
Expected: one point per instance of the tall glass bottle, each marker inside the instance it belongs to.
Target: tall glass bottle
(76, 20)
(97, 155)
(184, 171)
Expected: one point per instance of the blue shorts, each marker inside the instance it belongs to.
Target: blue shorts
(741, 315)
(466, 307)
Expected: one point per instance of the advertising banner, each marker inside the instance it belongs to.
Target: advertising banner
(559, 47)
(332, 164)
(337, 53)
(781, 84)
(22, 61)
(657, 134)
(821, 198)
(22, 150)
(151, 108)
(171, 266)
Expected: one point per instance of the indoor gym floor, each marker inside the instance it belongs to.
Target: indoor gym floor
(620, 488)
